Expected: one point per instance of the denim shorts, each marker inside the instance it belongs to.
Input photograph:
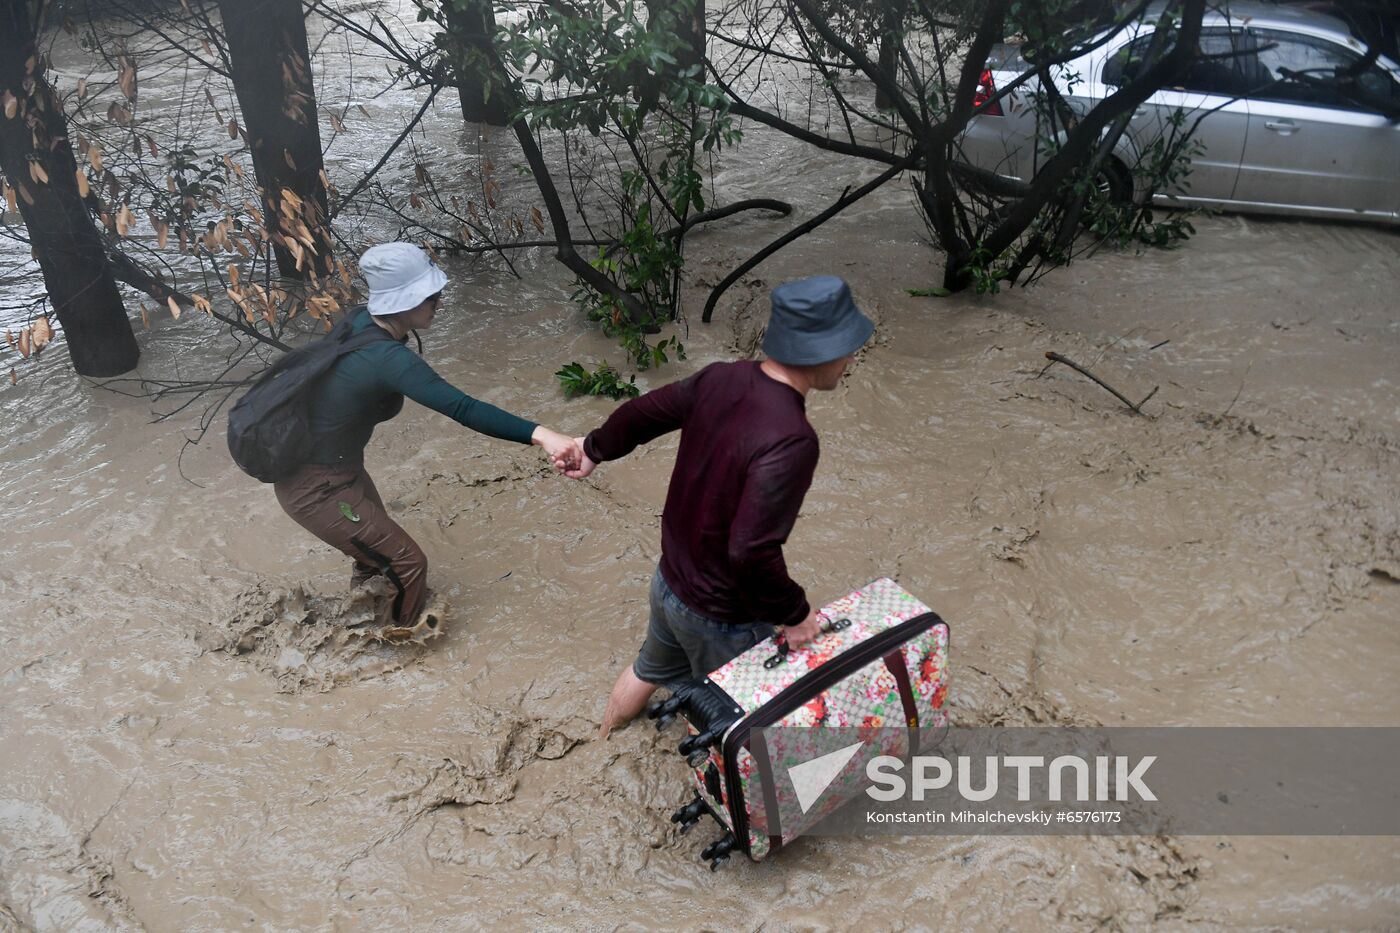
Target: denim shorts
(681, 644)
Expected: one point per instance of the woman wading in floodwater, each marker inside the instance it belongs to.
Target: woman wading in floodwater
(332, 496)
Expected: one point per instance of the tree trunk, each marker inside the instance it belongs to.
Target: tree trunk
(272, 78)
(36, 157)
(892, 22)
(689, 26)
(470, 29)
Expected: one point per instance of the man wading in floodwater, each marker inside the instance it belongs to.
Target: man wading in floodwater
(746, 459)
(332, 496)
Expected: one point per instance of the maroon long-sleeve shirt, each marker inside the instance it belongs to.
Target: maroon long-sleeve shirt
(745, 463)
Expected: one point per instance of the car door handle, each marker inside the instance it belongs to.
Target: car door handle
(1282, 127)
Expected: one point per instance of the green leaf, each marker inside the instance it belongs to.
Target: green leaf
(928, 292)
(348, 511)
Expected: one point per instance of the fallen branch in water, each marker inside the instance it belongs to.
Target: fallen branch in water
(848, 197)
(1054, 357)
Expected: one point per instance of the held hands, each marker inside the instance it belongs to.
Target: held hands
(565, 453)
(585, 465)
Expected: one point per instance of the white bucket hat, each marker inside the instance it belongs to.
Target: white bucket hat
(400, 276)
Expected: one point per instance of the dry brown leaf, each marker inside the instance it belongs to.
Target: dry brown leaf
(24, 193)
(119, 113)
(232, 128)
(233, 272)
(82, 88)
(162, 233)
(10, 204)
(202, 303)
(537, 219)
(241, 301)
(174, 307)
(95, 158)
(415, 201)
(208, 49)
(82, 183)
(218, 114)
(36, 172)
(337, 124)
(24, 344)
(145, 318)
(126, 80)
(41, 334)
(14, 380)
(11, 105)
(151, 144)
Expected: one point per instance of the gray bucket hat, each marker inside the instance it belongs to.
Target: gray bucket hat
(814, 320)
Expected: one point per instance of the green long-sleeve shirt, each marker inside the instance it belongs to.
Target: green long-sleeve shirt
(368, 386)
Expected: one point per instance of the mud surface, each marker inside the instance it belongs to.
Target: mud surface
(200, 730)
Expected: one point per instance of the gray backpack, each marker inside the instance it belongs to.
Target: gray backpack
(269, 429)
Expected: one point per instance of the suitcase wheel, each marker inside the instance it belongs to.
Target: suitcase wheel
(663, 711)
(688, 815)
(718, 850)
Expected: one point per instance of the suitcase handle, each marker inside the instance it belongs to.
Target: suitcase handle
(780, 639)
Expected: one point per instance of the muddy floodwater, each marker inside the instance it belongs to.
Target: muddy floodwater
(182, 750)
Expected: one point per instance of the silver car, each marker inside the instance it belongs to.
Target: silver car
(1269, 143)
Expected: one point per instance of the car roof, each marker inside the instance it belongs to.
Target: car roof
(1265, 15)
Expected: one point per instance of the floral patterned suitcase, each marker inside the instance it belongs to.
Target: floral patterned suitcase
(881, 661)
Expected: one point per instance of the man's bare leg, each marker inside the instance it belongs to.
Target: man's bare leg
(628, 698)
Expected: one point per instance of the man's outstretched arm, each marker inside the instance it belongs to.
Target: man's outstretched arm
(637, 422)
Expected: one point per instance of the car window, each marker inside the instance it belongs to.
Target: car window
(1225, 64)
(1314, 71)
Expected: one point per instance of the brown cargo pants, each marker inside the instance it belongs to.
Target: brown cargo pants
(340, 506)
